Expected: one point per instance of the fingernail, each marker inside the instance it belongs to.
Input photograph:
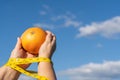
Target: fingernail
(17, 38)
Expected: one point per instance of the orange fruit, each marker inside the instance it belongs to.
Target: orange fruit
(32, 39)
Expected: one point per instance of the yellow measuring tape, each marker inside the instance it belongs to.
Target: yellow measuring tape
(14, 62)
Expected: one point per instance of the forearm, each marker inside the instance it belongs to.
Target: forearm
(7, 73)
(46, 69)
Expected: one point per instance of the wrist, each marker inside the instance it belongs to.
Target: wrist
(45, 56)
(45, 60)
(11, 70)
(9, 73)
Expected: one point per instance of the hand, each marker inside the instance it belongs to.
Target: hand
(49, 46)
(46, 50)
(19, 52)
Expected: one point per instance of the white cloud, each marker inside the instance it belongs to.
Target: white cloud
(43, 12)
(71, 22)
(46, 6)
(99, 45)
(108, 70)
(109, 28)
(46, 10)
(23, 77)
(43, 25)
(67, 20)
(63, 20)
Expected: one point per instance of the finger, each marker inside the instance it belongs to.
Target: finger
(18, 44)
(49, 36)
(54, 39)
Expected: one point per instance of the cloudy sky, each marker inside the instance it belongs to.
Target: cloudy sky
(87, 31)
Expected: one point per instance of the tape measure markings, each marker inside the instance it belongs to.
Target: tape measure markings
(14, 62)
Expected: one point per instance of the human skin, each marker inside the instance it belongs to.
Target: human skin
(44, 68)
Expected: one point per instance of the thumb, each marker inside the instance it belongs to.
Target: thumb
(18, 44)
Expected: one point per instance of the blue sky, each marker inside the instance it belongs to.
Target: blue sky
(87, 31)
